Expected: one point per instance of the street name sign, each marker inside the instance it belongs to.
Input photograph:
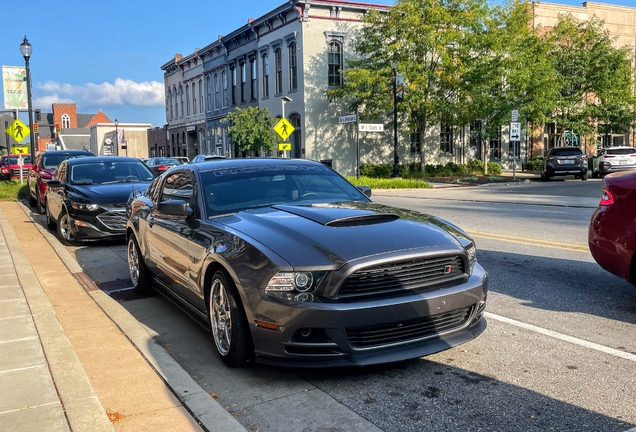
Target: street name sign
(351, 118)
(370, 127)
(515, 131)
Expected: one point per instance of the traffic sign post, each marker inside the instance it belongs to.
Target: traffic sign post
(18, 130)
(284, 129)
(515, 137)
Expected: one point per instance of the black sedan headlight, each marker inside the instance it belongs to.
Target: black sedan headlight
(84, 206)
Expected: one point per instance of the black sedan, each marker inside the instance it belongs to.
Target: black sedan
(287, 263)
(86, 198)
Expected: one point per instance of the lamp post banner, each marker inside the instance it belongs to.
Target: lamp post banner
(14, 87)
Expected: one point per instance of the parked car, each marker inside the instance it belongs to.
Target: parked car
(612, 230)
(42, 170)
(562, 161)
(202, 158)
(288, 263)
(614, 159)
(183, 159)
(160, 164)
(86, 198)
(10, 166)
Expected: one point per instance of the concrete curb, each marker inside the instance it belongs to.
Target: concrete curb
(207, 411)
(83, 409)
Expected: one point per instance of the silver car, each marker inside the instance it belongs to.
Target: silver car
(614, 159)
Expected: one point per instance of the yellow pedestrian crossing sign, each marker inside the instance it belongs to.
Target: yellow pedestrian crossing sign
(284, 128)
(18, 130)
(284, 146)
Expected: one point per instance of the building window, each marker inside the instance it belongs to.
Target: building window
(194, 98)
(494, 144)
(170, 102)
(66, 121)
(265, 76)
(279, 70)
(416, 146)
(334, 60)
(293, 68)
(446, 138)
(176, 101)
(219, 134)
(224, 80)
(253, 77)
(187, 100)
(216, 92)
(233, 72)
(208, 102)
(181, 98)
(294, 139)
(243, 81)
(200, 96)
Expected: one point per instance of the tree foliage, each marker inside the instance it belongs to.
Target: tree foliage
(251, 129)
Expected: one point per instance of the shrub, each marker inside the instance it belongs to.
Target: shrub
(476, 166)
(534, 164)
(494, 168)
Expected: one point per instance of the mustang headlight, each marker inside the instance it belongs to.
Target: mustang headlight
(471, 251)
(294, 281)
(84, 207)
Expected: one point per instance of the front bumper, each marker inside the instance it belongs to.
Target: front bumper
(559, 170)
(371, 332)
(89, 226)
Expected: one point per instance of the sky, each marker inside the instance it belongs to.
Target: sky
(107, 55)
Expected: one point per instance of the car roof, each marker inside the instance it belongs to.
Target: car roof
(212, 164)
(90, 159)
(67, 152)
(566, 148)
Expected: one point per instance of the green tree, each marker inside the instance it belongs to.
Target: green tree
(594, 78)
(251, 129)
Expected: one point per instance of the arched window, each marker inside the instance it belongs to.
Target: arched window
(194, 98)
(208, 102)
(187, 100)
(295, 138)
(293, 68)
(170, 102)
(334, 60)
(265, 76)
(66, 121)
(216, 92)
(279, 71)
(224, 79)
(200, 96)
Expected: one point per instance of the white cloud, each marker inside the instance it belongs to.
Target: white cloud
(122, 92)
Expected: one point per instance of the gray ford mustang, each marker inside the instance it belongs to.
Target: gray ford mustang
(287, 263)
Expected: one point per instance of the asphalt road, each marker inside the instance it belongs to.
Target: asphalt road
(559, 352)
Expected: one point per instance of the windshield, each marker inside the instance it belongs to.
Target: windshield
(110, 172)
(14, 160)
(622, 151)
(53, 160)
(230, 190)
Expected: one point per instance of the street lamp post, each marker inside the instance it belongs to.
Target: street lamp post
(117, 136)
(283, 101)
(396, 158)
(26, 49)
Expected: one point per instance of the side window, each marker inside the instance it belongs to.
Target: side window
(177, 186)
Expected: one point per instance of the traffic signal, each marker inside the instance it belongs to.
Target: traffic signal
(58, 129)
(36, 128)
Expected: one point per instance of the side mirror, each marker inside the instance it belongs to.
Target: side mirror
(174, 208)
(365, 190)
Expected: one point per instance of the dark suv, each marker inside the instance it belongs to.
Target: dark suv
(562, 161)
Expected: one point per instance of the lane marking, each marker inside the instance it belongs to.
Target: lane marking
(563, 337)
(532, 242)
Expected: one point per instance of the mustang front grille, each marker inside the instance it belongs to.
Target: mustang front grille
(113, 220)
(409, 331)
(399, 277)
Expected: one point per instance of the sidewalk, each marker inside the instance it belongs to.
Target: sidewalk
(72, 359)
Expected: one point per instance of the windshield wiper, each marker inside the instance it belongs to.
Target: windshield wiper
(120, 181)
(82, 183)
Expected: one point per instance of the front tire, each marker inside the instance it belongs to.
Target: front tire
(139, 274)
(228, 322)
(584, 176)
(64, 229)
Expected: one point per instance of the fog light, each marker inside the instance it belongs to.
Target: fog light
(305, 333)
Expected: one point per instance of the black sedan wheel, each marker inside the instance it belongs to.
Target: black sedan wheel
(228, 323)
(138, 272)
(64, 229)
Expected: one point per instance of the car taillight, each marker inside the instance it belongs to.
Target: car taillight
(607, 198)
(633, 155)
(162, 167)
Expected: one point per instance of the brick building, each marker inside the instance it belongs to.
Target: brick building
(73, 129)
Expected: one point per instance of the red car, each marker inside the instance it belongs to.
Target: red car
(10, 168)
(42, 171)
(612, 231)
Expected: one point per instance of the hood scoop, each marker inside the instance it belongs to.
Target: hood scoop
(338, 216)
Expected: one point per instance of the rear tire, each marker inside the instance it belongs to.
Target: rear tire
(32, 201)
(584, 176)
(228, 323)
(50, 223)
(139, 274)
(40, 206)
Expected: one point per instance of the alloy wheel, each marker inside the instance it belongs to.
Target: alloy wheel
(133, 261)
(65, 227)
(220, 317)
